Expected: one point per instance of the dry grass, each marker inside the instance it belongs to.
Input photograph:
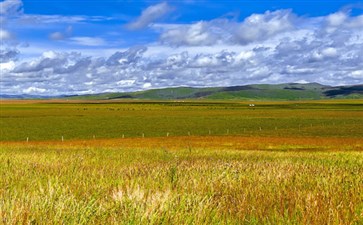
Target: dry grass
(186, 180)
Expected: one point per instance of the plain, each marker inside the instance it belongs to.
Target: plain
(181, 162)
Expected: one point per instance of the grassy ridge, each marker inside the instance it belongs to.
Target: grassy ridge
(85, 120)
(83, 183)
(290, 91)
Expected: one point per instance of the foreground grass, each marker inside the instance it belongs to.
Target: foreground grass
(244, 181)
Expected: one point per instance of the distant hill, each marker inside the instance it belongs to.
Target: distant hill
(289, 91)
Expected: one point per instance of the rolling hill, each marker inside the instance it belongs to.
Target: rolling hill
(289, 91)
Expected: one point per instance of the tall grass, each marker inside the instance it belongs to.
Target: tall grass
(61, 184)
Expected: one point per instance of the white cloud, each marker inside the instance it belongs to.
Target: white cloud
(7, 66)
(49, 55)
(297, 70)
(263, 26)
(357, 74)
(177, 60)
(10, 7)
(336, 19)
(146, 85)
(245, 55)
(329, 52)
(356, 22)
(209, 53)
(193, 35)
(150, 15)
(88, 41)
(8, 55)
(34, 90)
(56, 36)
(324, 54)
(5, 35)
(60, 19)
(257, 27)
(125, 83)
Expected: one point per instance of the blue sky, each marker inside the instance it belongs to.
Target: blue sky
(81, 47)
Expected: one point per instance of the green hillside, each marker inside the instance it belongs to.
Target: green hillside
(290, 91)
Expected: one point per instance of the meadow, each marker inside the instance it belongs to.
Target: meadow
(181, 162)
(44, 120)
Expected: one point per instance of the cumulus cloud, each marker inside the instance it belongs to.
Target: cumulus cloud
(71, 73)
(336, 19)
(7, 66)
(150, 15)
(340, 20)
(257, 27)
(46, 62)
(34, 90)
(128, 57)
(357, 74)
(262, 26)
(196, 34)
(327, 50)
(8, 55)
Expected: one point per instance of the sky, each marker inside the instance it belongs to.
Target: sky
(66, 47)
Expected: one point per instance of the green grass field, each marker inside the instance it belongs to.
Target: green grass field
(275, 163)
(51, 121)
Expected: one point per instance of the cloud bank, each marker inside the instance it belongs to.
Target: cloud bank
(273, 47)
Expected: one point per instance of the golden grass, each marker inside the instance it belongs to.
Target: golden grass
(210, 142)
(183, 180)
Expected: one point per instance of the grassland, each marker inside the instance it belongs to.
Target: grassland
(276, 163)
(45, 120)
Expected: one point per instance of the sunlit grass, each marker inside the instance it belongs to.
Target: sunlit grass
(83, 183)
